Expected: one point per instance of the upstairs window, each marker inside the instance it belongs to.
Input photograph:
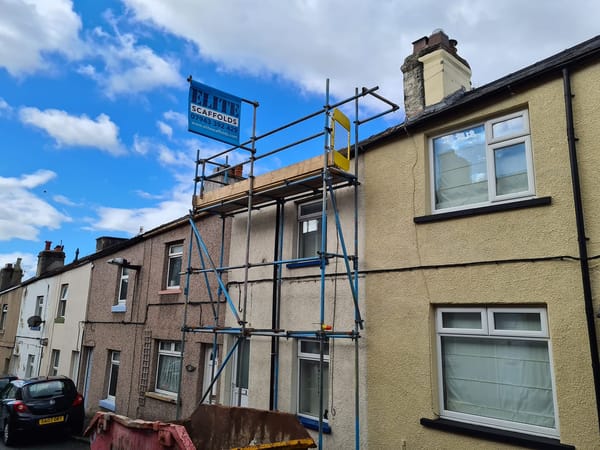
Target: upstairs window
(39, 305)
(3, 316)
(123, 286)
(175, 257)
(62, 301)
(309, 229)
(487, 163)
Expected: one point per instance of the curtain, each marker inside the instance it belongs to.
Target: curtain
(168, 373)
(507, 379)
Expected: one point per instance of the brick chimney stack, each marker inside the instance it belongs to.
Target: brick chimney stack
(433, 71)
(50, 259)
(11, 275)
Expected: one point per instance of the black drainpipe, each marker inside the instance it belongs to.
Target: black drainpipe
(581, 238)
(275, 310)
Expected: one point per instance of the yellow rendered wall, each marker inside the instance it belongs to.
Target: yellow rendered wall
(401, 367)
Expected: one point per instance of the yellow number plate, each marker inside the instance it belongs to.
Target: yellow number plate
(47, 420)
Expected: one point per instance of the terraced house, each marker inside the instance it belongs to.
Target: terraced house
(482, 227)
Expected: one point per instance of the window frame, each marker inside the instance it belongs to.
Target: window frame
(39, 306)
(54, 362)
(113, 362)
(123, 281)
(309, 356)
(301, 218)
(62, 300)
(491, 145)
(487, 315)
(170, 352)
(172, 255)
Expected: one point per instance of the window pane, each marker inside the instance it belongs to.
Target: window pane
(460, 168)
(517, 321)
(313, 347)
(505, 379)
(508, 127)
(174, 270)
(310, 238)
(511, 169)
(244, 364)
(114, 375)
(168, 373)
(311, 208)
(308, 402)
(465, 320)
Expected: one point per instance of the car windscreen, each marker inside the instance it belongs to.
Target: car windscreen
(44, 389)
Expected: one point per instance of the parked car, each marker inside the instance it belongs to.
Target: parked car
(40, 404)
(4, 379)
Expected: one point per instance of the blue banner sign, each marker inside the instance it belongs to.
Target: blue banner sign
(214, 114)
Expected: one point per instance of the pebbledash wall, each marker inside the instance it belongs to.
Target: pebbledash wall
(152, 313)
(482, 259)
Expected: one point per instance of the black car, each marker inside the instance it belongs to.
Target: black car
(5, 379)
(40, 404)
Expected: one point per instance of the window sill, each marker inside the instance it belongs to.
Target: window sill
(107, 404)
(530, 203)
(496, 435)
(60, 319)
(118, 308)
(161, 397)
(313, 424)
(307, 263)
(170, 291)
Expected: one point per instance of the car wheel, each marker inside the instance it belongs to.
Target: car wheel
(8, 435)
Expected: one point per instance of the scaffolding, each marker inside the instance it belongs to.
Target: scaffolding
(320, 176)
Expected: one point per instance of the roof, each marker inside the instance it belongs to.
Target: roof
(546, 67)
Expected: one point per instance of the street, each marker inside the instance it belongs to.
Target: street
(49, 443)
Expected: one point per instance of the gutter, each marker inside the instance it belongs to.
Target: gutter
(581, 238)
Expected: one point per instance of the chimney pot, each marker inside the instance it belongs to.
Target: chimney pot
(424, 82)
(48, 244)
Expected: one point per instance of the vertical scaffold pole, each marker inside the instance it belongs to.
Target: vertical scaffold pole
(247, 255)
(185, 311)
(355, 263)
(323, 255)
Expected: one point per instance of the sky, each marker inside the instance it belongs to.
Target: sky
(93, 94)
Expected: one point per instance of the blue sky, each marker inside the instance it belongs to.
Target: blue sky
(93, 94)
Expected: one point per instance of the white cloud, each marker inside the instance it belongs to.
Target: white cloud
(176, 118)
(357, 43)
(5, 108)
(75, 131)
(128, 67)
(22, 213)
(131, 220)
(165, 129)
(63, 200)
(31, 31)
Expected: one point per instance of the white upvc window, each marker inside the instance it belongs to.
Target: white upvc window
(487, 163)
(175, 258)
(113, 375)
(54, 362)
(309, 375)
(30, 366)
(123, 286)
(309, 229)
(3, 316)
(39, 305)
(495, 368)
(62, 301)
(168, 367)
